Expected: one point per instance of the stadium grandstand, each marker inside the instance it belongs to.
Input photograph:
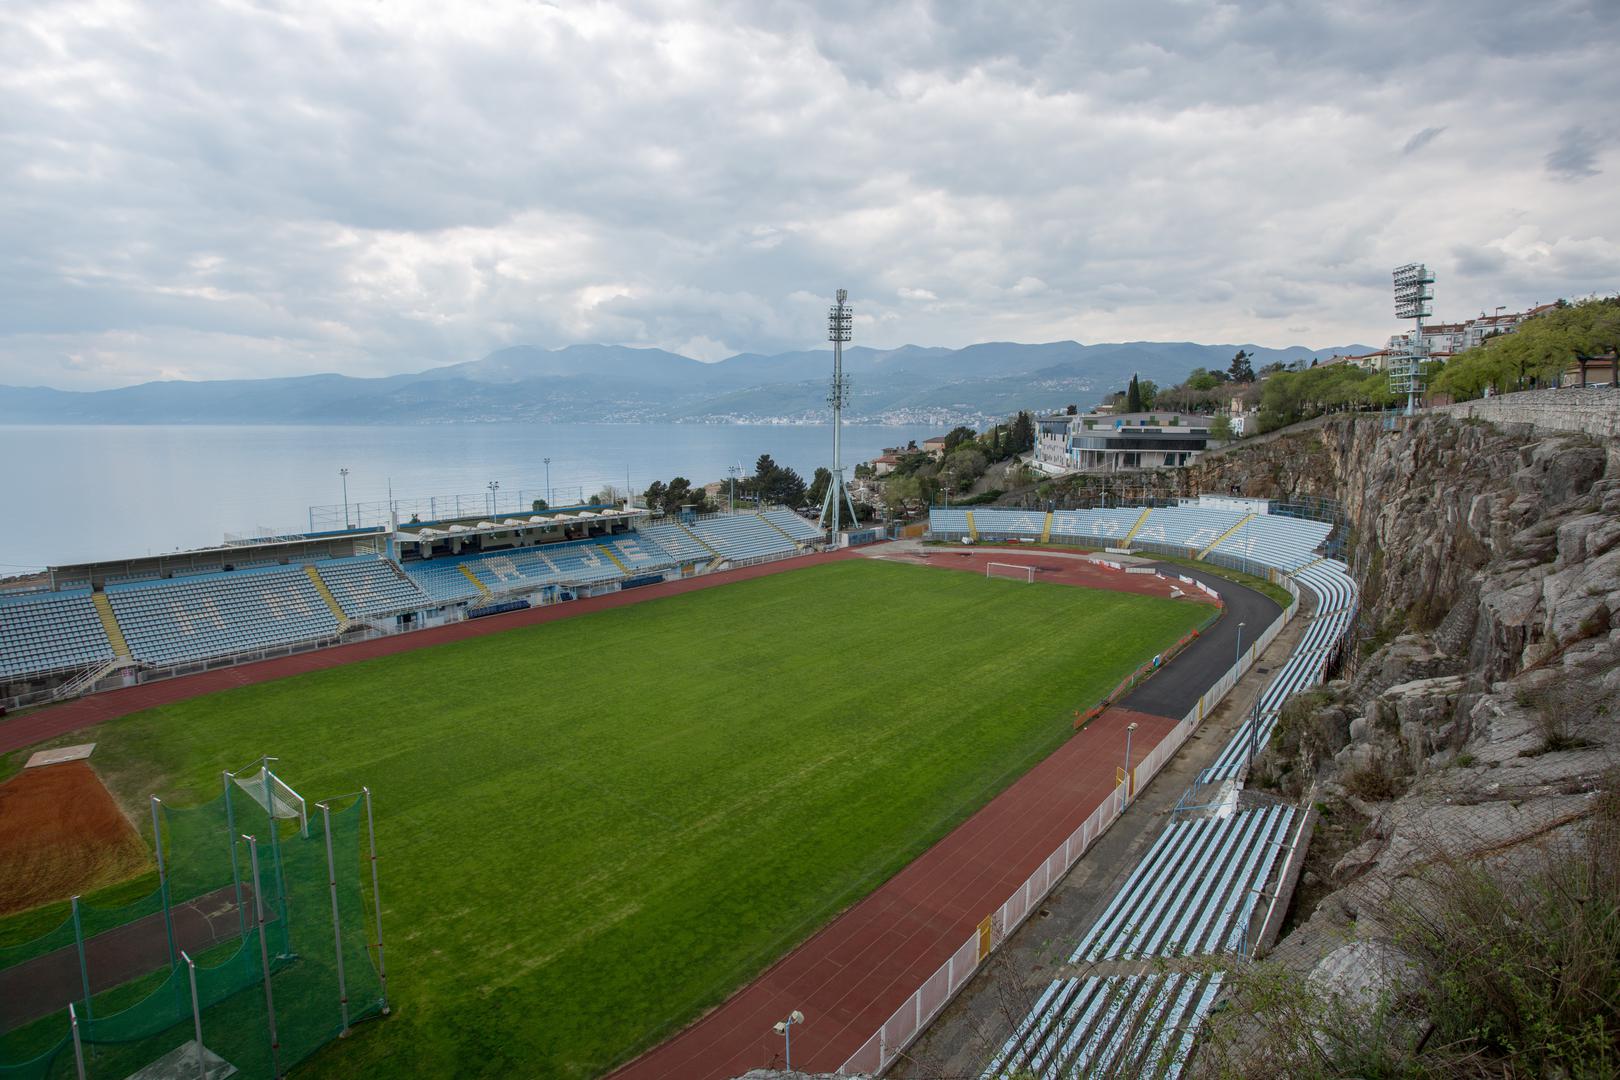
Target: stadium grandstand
(80, 628)
(1193, 902)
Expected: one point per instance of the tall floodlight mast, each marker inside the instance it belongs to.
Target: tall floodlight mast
(840, 321)
(1414, 289)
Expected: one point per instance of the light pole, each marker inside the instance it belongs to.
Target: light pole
(1128, 729)
(1254, 732)
(344, 472)
(548, 483)
(494, 486)
(1238, 657)
(784, 1028)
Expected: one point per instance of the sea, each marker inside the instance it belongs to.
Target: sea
(75, 494)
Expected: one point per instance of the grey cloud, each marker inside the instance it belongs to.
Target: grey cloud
(309, 188)
(1421, 139)
(1575, 155)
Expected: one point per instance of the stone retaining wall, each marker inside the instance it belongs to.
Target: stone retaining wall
(1594, 410)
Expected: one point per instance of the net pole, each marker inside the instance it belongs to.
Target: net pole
(337, 922)
(84, 970)
(196, 1017)
(275, 855)
(78, 1047)
(236, 872)
(163, 876)
(376, 900)
(264, 960)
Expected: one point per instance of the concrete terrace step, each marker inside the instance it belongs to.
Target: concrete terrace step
(109, 622)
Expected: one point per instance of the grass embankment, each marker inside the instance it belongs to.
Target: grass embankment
(592, 830)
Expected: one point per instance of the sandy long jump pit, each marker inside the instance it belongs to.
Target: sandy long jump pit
(62, 834)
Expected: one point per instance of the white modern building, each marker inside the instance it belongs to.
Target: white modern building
(1108, 442)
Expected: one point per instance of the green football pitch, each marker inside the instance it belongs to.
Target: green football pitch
(594, 829)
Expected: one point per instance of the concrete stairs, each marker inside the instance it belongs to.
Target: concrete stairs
(109, 623)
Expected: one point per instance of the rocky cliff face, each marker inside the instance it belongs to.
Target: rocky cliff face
(1475, 716)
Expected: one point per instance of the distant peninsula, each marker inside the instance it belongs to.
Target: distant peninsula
(619, 384)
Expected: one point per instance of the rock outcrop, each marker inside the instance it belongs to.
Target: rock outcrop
(1475, 717)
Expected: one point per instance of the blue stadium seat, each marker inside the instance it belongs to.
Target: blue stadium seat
(46, 632)
(369, 586)
(792, 524)
(741, 536)
(212, 615)
(675, 540)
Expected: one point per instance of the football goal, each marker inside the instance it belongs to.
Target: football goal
(1009, 570)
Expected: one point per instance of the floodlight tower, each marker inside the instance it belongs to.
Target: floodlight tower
(1414, 289)
(840, 321)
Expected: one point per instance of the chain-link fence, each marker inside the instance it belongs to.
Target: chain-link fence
(259, 946)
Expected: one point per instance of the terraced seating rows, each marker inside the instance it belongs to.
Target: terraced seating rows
(1109, 524)
(676, 541)
(442, 580)
(369, 585)
(741, 536)
(45, 632)
(578, 562)
(1186, 526)
(211, 615)
(639, 554)
(1335, 595)
(1194, 891)
(948, 522)
(1281, 542)
(1113, 1025)
(792, 524)
(993, 524)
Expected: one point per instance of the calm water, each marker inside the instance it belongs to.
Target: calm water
(73, 494)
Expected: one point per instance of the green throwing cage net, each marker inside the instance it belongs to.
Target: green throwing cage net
(262, 934)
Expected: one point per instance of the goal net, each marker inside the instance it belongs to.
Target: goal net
(276, 797)
(1009, 570)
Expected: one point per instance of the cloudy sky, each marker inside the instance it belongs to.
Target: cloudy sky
(198, 190)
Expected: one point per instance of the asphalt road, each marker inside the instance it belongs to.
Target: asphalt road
(1178, 686)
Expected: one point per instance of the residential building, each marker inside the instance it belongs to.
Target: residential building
(1107, 442)
(886, 462)
(1443, 340)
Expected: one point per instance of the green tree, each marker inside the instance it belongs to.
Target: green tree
(1023, 433)
(900, 492)
(1221, 427)
(819, 482)
(1538, 352)
(962, 468)
(538, 505)
(957, 436)
(1241, 370)
(1149, 391)
(1133, 396)
(653, 497)
(783, 486)
(678, 492)
(1201, 379)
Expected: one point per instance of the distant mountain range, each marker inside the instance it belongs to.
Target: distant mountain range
(614, 383)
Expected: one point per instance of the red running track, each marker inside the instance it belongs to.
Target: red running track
(849, 977)
(54, 720)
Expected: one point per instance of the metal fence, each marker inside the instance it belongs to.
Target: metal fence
(907, 1022)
